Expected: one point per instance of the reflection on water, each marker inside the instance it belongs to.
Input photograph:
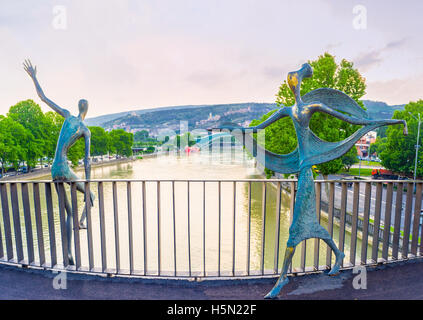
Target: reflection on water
(211, 223)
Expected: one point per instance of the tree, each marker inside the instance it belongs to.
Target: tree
(378, 146)
(12, 138)
(399, 151)
(31, 117)
(121, 142)
(280, 136)
(99, 141)
(350, 158)
(141, 135)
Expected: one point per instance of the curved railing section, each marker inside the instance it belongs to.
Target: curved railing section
(204, 228)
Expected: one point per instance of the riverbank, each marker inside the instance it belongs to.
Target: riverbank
(39, 173)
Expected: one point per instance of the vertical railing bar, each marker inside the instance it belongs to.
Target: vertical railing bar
(387, 221)
(376, 223)
(74, 203)
(62, 216)
(318, 213)
(277, 230)
(344, 194)
(158, 229)
(174, 227)
(249, 227)
(219, 223)
(303, 255)
(51, 228)
(407, 221)
(144, 226)
(330, 222)
(397, 221)
(130, 229)
(234, 221)
(416, 219)
(189, 228)
(204, 228)
(28, 223)
(366, 216)
(2, 255)
(291, 212)
(6, 221)
(39, 223)
(16, 222)
(89, 227)
(354, 224)
(103, 243)
(116, 216)
(421, 227)
(263, 230)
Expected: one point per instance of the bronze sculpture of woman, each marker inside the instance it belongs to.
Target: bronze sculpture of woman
(310, 151)
(72, 129)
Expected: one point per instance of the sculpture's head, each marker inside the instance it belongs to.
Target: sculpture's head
(83, 108)
(296, 77)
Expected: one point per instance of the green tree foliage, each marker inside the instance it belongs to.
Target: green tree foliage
(378, 146)
(99, 141)
(280, 137)
(141, 135)
(121, 142)
(12, 134)
(350, 158)
(30, 116)
(399, 151)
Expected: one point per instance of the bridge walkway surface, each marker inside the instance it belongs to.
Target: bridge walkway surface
(400, 280)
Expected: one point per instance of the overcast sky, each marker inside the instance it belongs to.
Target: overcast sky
(123, 55)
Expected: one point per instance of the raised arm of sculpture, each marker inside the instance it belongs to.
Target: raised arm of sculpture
(279, 114)
(320, 107)
(32, 72)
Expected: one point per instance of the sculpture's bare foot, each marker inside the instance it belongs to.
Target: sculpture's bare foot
(277, 288)
(335, 269)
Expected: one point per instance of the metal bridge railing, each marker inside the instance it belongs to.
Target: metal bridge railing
(204, 228)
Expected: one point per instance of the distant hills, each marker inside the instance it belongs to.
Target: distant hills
(381, 110)
(206, 116)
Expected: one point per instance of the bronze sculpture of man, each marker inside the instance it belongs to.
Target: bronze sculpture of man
(72, 129)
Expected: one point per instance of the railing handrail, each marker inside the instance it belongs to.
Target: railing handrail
(214, 180)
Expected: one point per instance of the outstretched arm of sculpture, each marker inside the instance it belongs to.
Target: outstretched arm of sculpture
(87, 164)
(280, 113)
(320, 107)
(32, 72)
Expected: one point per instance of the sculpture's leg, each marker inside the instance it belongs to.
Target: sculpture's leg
(339, 257)
(283, 279)
(83, 221)
(68, 222)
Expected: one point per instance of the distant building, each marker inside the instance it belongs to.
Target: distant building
(364, 143)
